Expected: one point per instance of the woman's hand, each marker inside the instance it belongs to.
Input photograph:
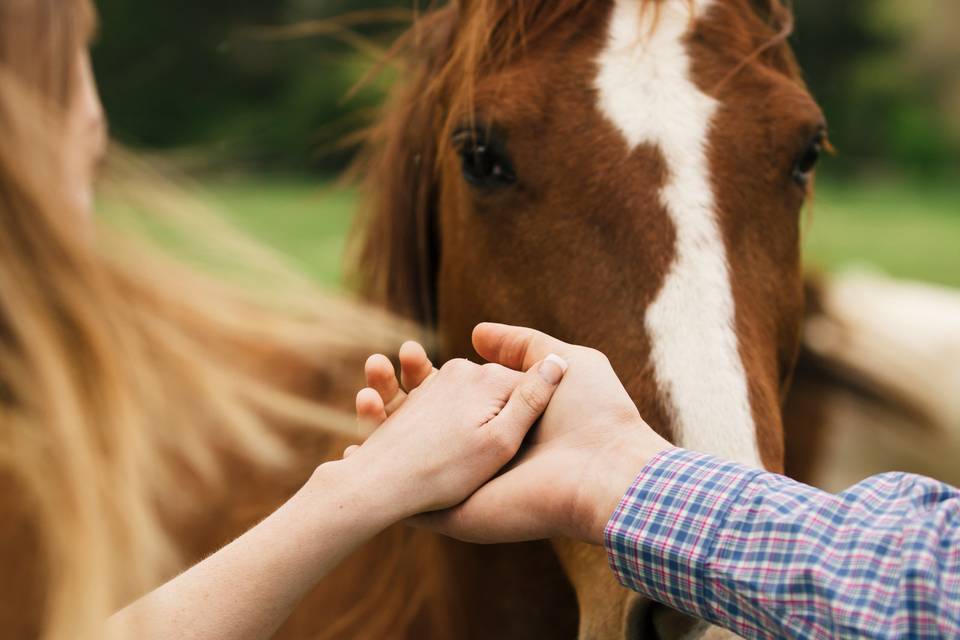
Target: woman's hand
(590, 445)
(452, 433)
(449, 436)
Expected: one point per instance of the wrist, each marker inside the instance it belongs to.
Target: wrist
(358, 491)
(615, 468)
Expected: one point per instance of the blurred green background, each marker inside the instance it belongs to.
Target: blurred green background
(260, 121)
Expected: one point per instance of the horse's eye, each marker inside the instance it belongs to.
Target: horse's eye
(483, 159)
(808, 160)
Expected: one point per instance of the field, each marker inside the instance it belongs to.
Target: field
(905, 231)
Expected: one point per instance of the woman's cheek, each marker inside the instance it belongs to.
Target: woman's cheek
(86, 139)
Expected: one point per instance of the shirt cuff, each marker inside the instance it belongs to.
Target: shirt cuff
(660, 537)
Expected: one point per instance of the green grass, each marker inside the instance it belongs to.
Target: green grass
(911, 232)
(307, 221)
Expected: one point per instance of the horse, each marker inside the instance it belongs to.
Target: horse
(623, 174)
(875, 386)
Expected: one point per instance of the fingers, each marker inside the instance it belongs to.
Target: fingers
(370, 410)
(415, 366)
(471, 525)
(382, 378)
(491, 515)
(527, 402)
(382, 382)
(515, 347)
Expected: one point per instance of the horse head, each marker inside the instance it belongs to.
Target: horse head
(623, 174)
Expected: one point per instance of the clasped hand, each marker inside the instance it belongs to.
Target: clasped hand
(446, 442)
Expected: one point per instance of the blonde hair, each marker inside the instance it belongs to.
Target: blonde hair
(126, 372)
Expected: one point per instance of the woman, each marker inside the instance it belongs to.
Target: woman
(124, 377)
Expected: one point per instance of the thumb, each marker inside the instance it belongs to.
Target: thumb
(529, 400)
(514, 347)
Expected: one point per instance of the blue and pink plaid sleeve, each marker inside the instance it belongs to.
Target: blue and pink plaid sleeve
(767, 557)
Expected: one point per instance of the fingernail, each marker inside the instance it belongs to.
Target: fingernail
(552, 369)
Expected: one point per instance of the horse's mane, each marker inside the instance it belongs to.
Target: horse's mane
(395, 251)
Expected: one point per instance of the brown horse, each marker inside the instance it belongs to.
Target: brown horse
(623, 174)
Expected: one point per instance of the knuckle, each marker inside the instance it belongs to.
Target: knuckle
(491, 369)
(455, 367)
(596, 355)
(532, 396)
(498, 376)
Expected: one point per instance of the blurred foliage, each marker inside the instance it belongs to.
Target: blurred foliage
(887, 74)
(200, 75)
(189, 74)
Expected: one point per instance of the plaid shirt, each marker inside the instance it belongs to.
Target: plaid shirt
(767, 557)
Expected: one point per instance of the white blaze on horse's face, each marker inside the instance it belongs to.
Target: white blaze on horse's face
(646, 89)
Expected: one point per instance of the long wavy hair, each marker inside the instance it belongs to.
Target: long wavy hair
(126, 371)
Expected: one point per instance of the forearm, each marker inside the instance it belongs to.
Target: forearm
(248, 588)
(768, 557)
